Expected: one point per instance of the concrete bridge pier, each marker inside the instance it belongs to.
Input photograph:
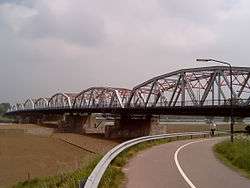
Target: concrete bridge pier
(21, 119)
(131, 127)
(81, 123)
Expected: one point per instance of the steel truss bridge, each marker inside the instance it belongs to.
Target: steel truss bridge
(196, 91)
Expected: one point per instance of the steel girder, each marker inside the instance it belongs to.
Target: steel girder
(194, 87)
(102, 97)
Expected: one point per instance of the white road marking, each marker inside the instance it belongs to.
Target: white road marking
(179, 166)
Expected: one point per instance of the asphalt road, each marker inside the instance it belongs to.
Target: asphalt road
(157, 167)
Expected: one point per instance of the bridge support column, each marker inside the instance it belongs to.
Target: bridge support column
(81, 123)
(20, 119)
(131, 127)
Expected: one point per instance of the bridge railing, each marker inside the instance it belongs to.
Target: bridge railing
(236, 102)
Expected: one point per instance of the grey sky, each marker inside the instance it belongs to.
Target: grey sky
(47, 46)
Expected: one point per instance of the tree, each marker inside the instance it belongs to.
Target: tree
(4, 107)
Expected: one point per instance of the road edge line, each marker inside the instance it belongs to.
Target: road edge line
(189, 182)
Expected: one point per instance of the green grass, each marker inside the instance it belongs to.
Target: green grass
(235, 155)
(67, 180)
(113, 176)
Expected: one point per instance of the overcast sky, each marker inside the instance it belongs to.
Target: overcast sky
(48, 46)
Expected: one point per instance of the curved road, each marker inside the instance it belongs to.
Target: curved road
(157, 167)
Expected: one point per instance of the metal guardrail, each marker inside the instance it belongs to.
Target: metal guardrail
(96, 175)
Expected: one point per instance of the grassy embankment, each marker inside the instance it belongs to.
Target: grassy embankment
(67, 180)
(235, 155)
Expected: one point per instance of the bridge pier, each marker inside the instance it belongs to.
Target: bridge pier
(81, 123)
(131, 127)
(21, 119)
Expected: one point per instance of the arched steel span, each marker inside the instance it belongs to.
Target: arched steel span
(62, 100)
(29, 104)
(41, 103)
(19, 106)
(193, 87)
(13, 107)
(102, 97)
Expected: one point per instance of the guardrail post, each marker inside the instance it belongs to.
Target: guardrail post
(81, 183)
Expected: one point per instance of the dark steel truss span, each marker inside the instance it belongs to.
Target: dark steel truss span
(29, 104)
(196, 89)
(102, 97)
(61, 100)
(41, 103)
